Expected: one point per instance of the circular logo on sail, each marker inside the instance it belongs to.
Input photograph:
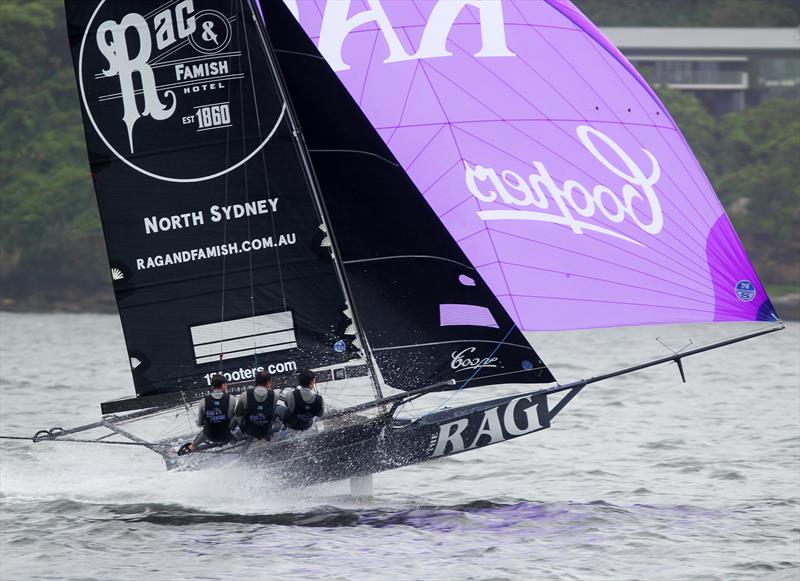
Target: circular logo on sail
(178, 91)
(212, 32)
(340, 346)
(745, 290)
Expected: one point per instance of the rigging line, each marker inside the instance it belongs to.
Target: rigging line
(580, 384)
(450, 341)
(670, 349)
(188, 410)
(82, 441)
(471, 377)
(278, 263)
(603, 343)
(169, 428)
(246, 186)
(319, 202)
(313, 56)
(225, 225)
(355, 151)
(405, 256)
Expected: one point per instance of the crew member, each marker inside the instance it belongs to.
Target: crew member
(255, 408)
(214, 415)
(303, 403)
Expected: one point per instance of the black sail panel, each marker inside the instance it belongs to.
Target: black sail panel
(212, 232)
(426, 312)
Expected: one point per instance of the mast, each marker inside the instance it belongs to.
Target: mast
(426, 311)
(318, 199)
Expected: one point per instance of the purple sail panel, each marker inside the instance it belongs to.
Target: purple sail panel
(547, 158)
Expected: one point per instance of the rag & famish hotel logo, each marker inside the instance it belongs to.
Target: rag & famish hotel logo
(164, 76)
(537, 197)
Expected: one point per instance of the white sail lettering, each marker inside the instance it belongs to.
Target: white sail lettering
(165, 34)
(450, 436)
(462, 362)
(481, 173)
(515, 182)
(155, 224)
(336, 26)
(636, 177)
(573, 201)
(186, 23)
(166, 27)
(443, 16)
(235, 211)
(112, 43)
(618, 215)
(201, 70)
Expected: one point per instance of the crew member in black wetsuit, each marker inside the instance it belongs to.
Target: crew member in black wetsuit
(255, 408)
(303, 403)
(214, 415)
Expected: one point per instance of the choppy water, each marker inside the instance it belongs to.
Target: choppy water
(639, 478)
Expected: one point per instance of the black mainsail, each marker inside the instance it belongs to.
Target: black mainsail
(223, 256)
(215, 240)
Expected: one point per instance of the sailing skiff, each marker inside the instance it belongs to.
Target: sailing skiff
(388, 193)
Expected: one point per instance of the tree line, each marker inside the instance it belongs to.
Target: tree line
(50, 236)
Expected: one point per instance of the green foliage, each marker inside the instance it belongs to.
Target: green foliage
(760, 183)
(48, 217)
(751, 159)
(744, 13)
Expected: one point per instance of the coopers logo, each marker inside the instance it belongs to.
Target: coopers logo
(466, 360)
(170, 77)
(573, 204)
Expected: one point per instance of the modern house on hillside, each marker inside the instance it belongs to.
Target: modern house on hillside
(729, 69)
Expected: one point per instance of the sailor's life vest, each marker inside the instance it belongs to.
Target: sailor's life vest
(216, 426)
(303, 414)
(258, 415)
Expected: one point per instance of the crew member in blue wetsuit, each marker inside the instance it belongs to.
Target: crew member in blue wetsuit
(255, 408)
(303, 403)
(214, 415)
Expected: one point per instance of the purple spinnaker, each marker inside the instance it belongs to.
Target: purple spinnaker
(546, 156)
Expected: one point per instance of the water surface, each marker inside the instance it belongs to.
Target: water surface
(642, 477)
